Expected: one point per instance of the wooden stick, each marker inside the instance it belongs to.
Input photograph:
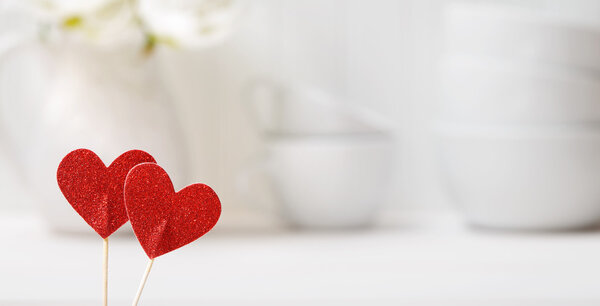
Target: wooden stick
(143, 282)
(105, 272)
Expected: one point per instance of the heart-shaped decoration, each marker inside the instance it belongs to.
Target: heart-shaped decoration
(96, 191)
(164, 220)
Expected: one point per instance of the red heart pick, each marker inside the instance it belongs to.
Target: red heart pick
(162, 219)
(95, 191)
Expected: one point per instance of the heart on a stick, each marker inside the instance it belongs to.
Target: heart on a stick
(96, 191)
(164, 220)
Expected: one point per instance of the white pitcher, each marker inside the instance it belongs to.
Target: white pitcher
(106, 100)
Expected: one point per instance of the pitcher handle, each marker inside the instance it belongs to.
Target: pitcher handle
(261, 98)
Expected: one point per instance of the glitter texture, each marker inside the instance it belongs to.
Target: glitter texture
(96, 191)
(163, 220)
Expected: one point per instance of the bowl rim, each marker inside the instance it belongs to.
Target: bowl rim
(490, 130)
(501, 13)
(476, 64)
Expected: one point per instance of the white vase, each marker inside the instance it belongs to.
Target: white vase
(108, 101)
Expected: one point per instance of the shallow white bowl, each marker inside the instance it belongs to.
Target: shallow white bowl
(523, 178)
(487, 90)
(331, 182)
(299, 109)
(533, 33)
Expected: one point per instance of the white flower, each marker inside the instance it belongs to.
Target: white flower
(189, 23)
(102, 22)
(144, 23)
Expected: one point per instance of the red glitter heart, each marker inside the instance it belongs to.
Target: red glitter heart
(96, 191)
(162, 219)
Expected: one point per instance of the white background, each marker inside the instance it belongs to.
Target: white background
(380, 54)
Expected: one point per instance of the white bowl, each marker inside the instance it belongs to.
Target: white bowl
(324, 182)
(526, 179)
(486, 90)
(529, 33)
(304, 110)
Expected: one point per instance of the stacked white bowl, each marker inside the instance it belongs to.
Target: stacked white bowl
(520, 118)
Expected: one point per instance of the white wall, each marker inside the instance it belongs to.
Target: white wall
(380, 54)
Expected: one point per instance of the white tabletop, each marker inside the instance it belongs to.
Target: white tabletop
(424, 261)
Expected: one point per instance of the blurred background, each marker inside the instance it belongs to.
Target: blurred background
(431, 152)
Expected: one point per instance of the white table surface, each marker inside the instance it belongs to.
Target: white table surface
(432, 260)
